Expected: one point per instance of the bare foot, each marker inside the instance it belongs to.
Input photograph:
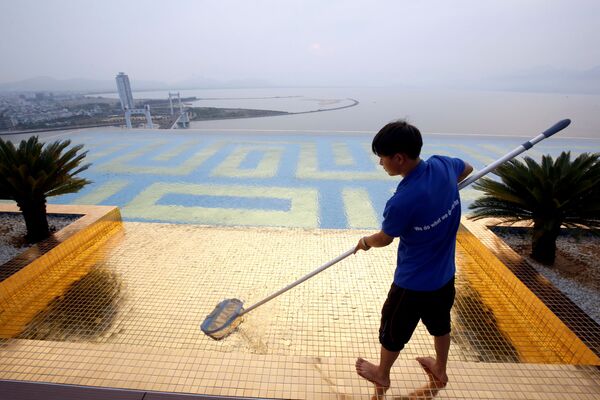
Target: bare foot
(370, 372)
(436, 375)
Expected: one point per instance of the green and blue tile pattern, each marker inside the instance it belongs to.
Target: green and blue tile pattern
(328, 181)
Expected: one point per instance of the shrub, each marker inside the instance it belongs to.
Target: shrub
(552, 194)
(34, 171)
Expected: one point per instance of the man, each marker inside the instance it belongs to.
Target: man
(424, 213)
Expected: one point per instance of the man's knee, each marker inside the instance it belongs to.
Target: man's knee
(438, 328)
(396, 342)
(389, 344)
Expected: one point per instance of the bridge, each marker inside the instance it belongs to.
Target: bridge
(182, 119)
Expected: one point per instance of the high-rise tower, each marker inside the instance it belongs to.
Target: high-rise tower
(124, 88)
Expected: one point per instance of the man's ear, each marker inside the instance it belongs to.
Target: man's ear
(399, 157)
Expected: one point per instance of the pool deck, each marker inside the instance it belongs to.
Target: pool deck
(116, 314)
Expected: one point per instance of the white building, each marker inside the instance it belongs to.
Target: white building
(124, 88)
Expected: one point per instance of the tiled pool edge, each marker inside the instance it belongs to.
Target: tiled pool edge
(46, 264)
(539, 300)
(467, 381)
(39, 390)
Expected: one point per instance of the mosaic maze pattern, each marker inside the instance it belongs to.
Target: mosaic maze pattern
(261, 178)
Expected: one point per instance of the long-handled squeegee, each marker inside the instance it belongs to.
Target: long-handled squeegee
(226, 315)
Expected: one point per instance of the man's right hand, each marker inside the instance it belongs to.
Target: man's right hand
(379, 239)
(362, 245)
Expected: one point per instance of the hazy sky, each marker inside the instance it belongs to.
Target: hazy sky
(305, 42)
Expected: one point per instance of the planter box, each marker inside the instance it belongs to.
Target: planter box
(550, 315)
(47, 269)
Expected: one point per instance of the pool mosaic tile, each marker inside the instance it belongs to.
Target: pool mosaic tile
(126, 164)
(36, 278)
(132, 321)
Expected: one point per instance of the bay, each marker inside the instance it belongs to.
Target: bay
(432, 110)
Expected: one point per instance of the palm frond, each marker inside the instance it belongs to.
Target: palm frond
(553, 190)
(35, 169)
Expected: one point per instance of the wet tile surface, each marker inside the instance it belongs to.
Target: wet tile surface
(132, 321)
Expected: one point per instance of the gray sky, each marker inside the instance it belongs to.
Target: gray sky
(297, 42)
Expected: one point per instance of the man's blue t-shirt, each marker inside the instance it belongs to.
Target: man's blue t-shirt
(425, 214)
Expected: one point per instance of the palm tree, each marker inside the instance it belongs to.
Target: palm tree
(552, 194)
(34, 171)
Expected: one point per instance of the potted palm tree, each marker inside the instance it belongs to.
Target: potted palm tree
(34, 171)
(555, 193)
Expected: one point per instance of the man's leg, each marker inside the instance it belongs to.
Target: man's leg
(437, 319)
(437, 366)
(378, 374)
(398, 322)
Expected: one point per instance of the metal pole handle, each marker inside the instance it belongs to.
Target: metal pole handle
(299, 281)
(559, 126)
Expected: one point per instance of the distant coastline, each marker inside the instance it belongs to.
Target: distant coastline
(443, 112)
(216, 113)
(161, 113)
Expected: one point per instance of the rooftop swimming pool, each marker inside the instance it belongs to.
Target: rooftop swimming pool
(311, 180)
(262, 178)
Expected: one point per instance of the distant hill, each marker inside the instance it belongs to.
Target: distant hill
(549, 79)
(46, 83)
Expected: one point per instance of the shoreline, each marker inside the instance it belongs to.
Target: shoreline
(259, 113)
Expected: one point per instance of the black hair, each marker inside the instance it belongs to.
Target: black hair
(398, 137)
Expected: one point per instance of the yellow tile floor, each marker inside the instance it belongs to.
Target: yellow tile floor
(133, 321)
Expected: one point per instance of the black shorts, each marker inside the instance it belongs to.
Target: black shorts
(404, 308)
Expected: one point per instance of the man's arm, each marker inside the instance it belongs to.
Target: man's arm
(466, 172)
(379, 239)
